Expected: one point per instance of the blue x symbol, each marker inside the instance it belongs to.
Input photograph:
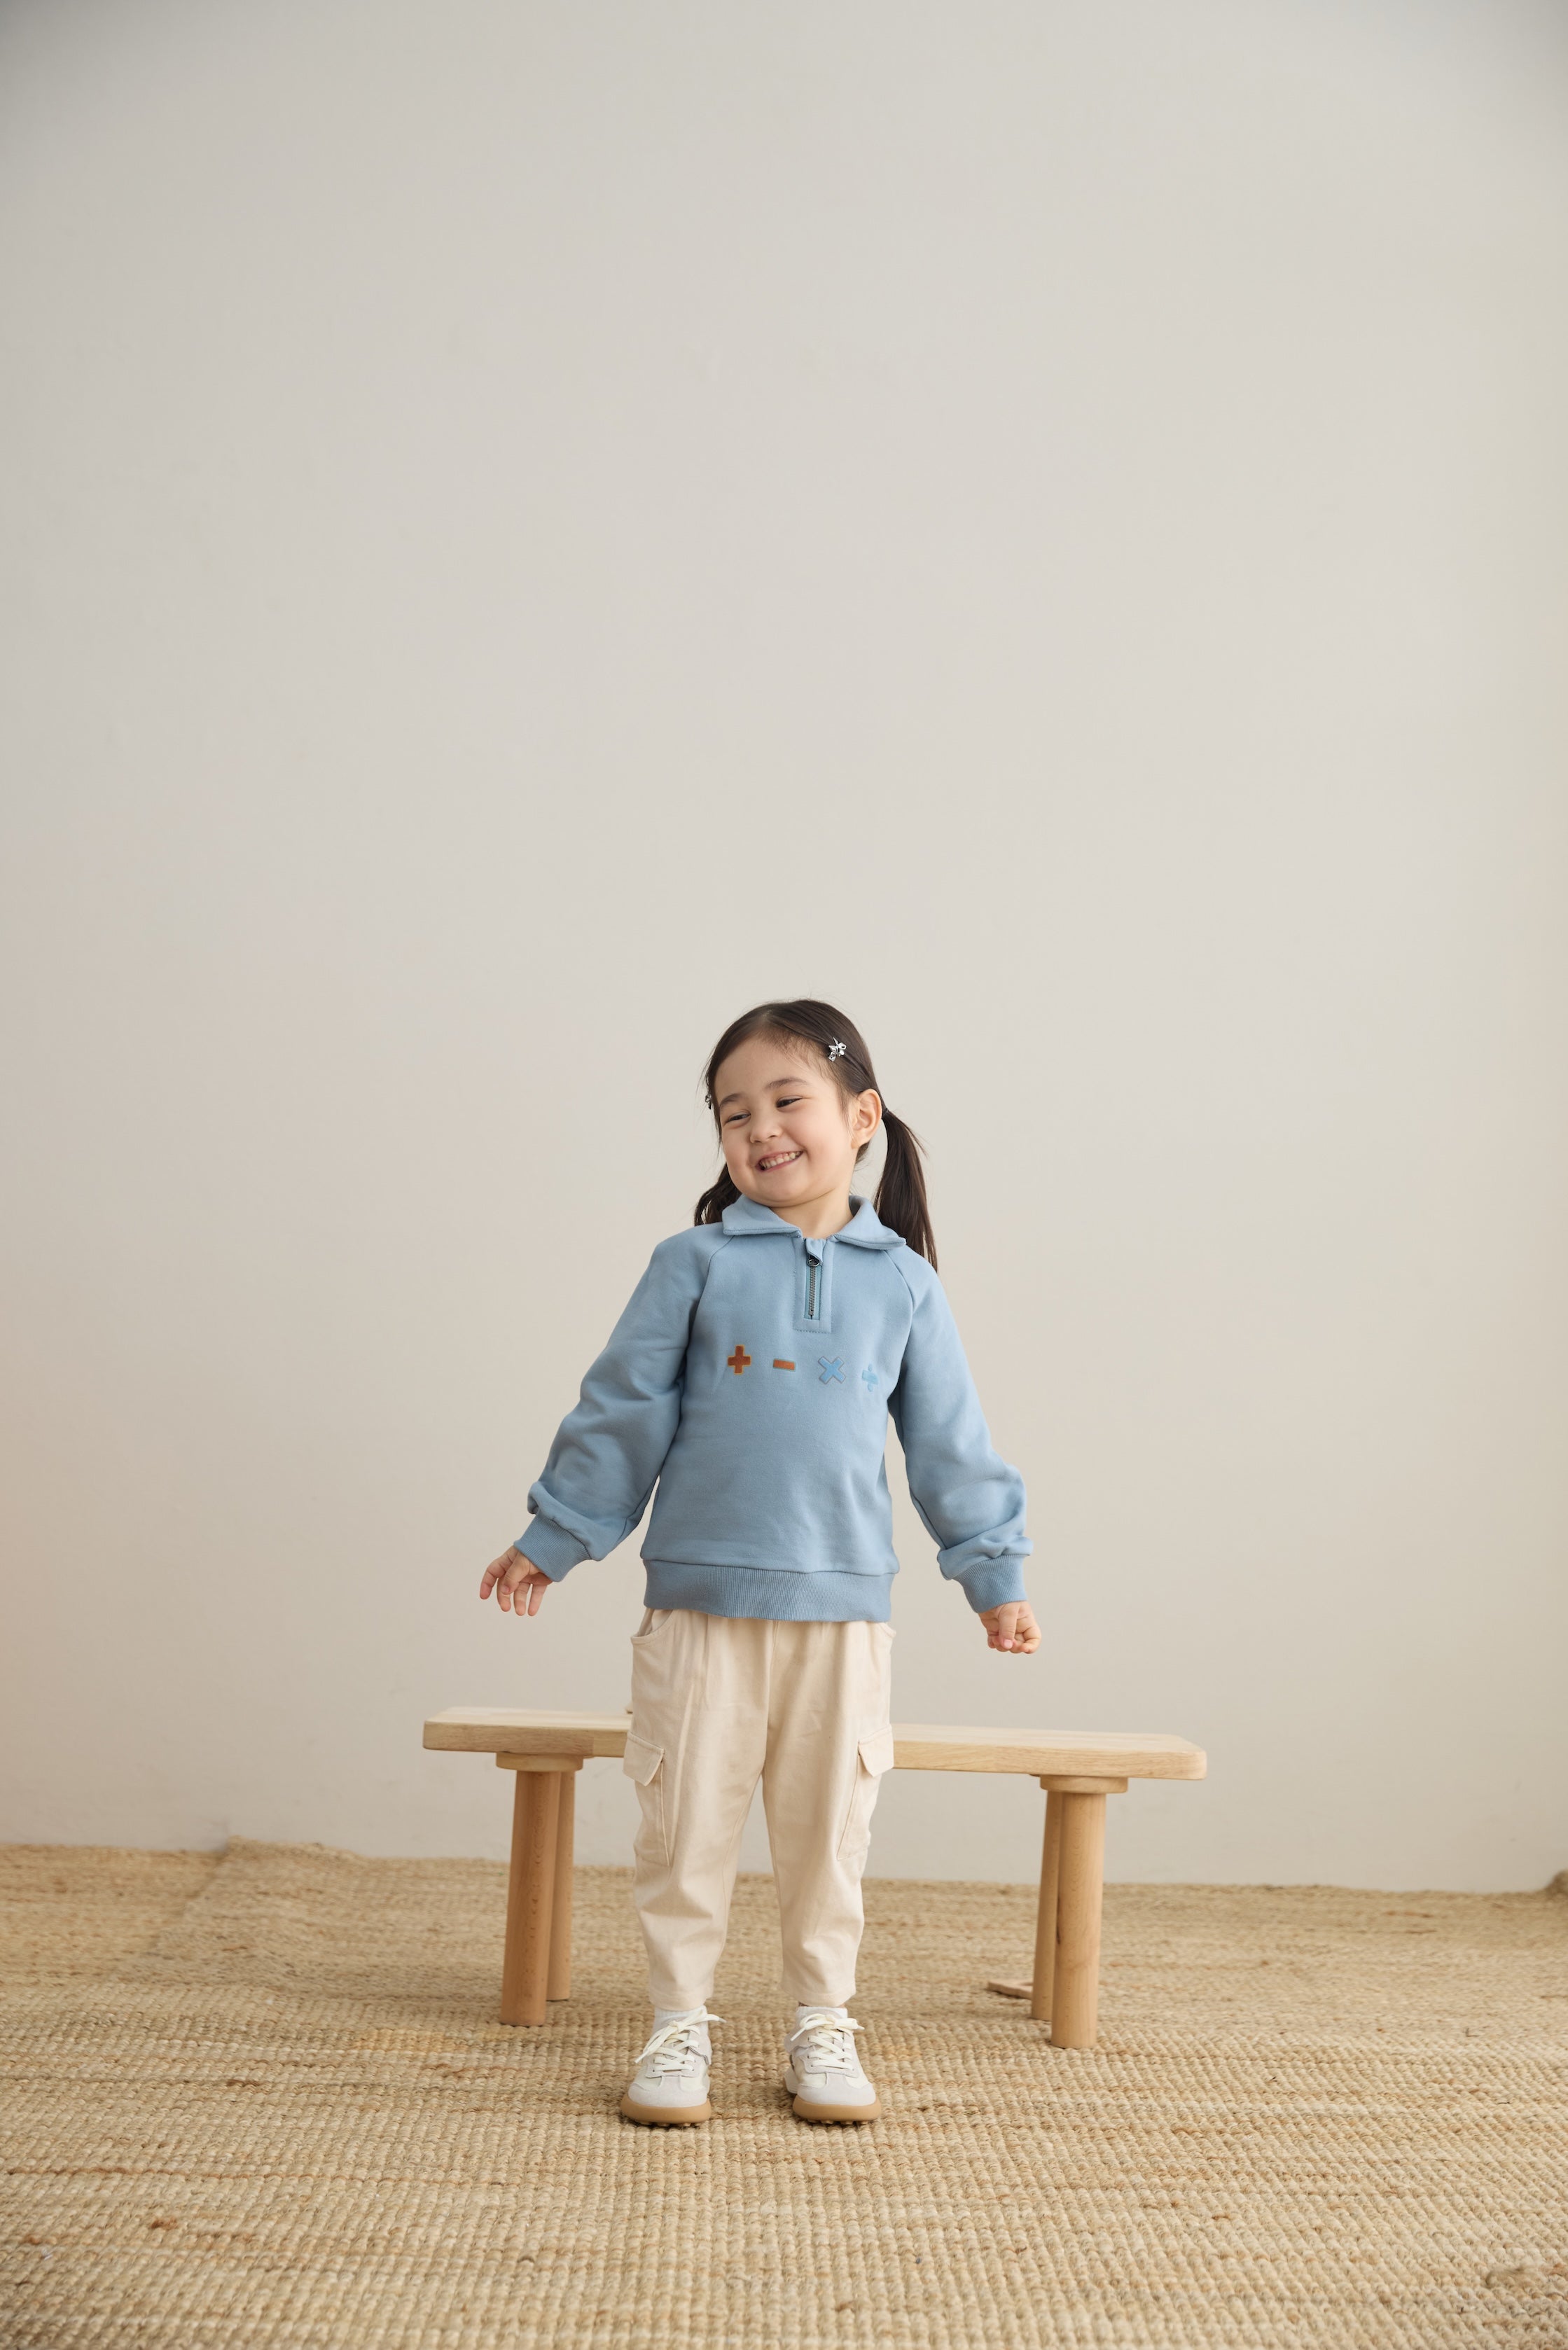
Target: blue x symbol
(834, 1371)
(869, 1376)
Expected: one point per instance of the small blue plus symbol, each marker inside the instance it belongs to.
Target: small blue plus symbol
(834, 1371)
(869, 1375)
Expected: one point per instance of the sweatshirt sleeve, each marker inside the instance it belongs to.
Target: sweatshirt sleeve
(970, 1501)
(609, 1449)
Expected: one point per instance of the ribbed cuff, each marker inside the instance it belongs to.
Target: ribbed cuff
(550, 1547)
(995, 1583)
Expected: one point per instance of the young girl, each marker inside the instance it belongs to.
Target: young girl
(751, 1377)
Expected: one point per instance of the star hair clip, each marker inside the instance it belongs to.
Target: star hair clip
(837, 1048)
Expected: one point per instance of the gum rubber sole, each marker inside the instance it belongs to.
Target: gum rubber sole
(665, 2117)
(837, 2113)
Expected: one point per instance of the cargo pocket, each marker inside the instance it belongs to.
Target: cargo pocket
(873, 1756)
(645, 1763)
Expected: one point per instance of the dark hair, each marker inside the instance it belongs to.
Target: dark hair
(900, 1200)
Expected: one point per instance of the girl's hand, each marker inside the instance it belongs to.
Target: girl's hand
(515, 1579)
(1012, 1628)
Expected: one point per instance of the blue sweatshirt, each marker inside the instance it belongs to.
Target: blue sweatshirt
(751, 1376)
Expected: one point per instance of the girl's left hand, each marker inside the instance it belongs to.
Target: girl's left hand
(1011, 1629)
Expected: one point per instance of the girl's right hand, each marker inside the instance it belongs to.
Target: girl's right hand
(515, 1580)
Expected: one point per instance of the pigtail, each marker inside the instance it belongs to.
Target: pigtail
(713, 1203)
(902, 1201)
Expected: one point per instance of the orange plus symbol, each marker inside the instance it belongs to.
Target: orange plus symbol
(739, 1360)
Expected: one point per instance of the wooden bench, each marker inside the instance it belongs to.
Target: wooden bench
(1077, 1769)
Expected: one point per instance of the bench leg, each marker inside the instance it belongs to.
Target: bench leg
(524, 1969)
(560, 1967)
(1045, 1919)
(1075, 1991)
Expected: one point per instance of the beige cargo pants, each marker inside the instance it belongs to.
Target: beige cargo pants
(718, 1702)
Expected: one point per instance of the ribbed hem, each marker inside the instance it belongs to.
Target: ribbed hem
(772, 1593)
(550, 1547)
(995, 1583)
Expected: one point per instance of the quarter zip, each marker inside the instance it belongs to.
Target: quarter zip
(816, 1280)
(814, 1297)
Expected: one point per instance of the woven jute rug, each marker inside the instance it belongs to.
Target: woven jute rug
(262, 2098)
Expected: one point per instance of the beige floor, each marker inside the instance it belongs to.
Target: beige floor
(264, 2100)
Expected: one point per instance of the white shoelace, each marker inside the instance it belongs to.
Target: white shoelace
(672, 2047)
(821, 2042)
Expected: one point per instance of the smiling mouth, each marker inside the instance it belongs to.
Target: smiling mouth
(781, 1159)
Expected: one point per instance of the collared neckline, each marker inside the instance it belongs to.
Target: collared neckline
(864, 1230)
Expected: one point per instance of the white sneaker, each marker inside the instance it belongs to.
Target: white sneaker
(671, 2082)
(824, 2076)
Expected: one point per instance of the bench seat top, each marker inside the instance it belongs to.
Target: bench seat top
(917, 1746)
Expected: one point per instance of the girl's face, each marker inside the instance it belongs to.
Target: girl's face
(790, 1133)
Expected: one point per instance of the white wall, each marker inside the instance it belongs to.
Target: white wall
(530, 528)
